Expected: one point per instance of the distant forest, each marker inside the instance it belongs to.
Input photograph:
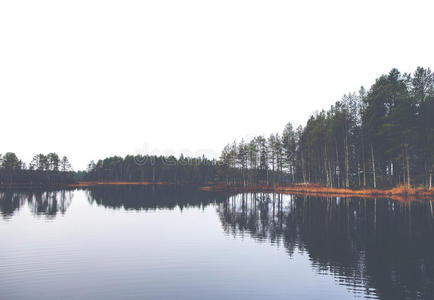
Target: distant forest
(43, 170)
(376, 138)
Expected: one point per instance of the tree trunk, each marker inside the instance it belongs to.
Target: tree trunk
(325, 166)
(363, 161)
(358, 172)
(373, 167)
(347, 162)
(408, 166)
(303, 167)
(404, 173)
(337, 163)
(330, 173)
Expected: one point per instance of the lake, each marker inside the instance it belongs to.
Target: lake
(143, 242)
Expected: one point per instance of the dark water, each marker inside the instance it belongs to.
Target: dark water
(145, 243)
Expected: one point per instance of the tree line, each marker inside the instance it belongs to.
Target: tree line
(382, 137)
(44, 170)
(150, 168)
(376, 138)
(153, 168)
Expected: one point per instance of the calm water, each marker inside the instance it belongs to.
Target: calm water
(145, 243)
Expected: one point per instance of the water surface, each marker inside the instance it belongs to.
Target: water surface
(168, 243)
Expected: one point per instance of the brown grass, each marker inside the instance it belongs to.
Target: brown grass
(400, 193)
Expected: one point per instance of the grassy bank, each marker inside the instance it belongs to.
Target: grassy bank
(399, 193)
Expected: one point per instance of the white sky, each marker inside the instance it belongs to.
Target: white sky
(89, 79)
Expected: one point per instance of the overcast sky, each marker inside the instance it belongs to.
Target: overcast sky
(89, 79)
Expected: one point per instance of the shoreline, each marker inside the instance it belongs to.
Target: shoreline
(397, 193)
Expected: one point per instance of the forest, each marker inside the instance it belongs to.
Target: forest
(377, 138)
(43, 170)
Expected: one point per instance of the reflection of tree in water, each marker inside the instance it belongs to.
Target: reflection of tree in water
(47, 203)
(10, 203)
(151, 197)
(379, 248)
(50, 203)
